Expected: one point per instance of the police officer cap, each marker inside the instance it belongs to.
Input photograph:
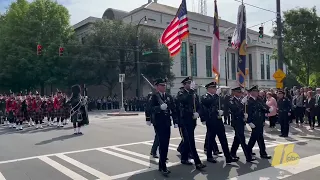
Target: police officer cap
(186, 80)
(280, 91)
(237, 89)
(254, 88)
(212, 85)
(160, 82)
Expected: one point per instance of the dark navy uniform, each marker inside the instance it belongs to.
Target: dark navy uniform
(284, 108)
(256, 115)
(189, 108)
(210, 115)
(155, 145)
(161, 107)
(238, 123)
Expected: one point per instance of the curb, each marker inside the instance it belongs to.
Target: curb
(122, 114)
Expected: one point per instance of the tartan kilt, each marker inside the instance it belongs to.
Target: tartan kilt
(67, 112)
(38, 115)
(59, 113)
(10, 117)
(50, 114)
(20, 115)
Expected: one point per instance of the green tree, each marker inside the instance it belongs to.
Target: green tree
(27, 24)
(301, 44)
(110, 50)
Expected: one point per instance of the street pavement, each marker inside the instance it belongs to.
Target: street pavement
(119, 148)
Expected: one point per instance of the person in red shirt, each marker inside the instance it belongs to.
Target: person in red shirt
(58, 108)
(36, 107)
(29, 116)
(10, 108)
(50, 110)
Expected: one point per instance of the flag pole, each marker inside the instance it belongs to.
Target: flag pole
(189, 44)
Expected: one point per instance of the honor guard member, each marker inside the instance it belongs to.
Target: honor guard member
(189, 107)
(284, 111)
(161, 107)
(238, 122)
(256, 120)
(211, 117)
(148, 114)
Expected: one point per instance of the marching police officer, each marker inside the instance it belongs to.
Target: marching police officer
(211, 117)
(155, 145)
(189, 106)
(284, 111)
(256, 120)
(238, 123)
(161, 107)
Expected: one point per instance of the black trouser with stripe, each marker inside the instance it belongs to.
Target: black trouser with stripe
(163, 133)
(189, 145)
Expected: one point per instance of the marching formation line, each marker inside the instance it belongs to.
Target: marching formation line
(2, 177)
(62, 169)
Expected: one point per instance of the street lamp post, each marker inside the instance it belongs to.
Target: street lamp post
(138, 57)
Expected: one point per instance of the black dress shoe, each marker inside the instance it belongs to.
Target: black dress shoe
(252, 159)
(235, 157)
(165, 172)
(200, 166)
(217, 153)
(154, 155)
(265, 156)
(211, 160)
(228, 161)
(186, 162)
(190, 156)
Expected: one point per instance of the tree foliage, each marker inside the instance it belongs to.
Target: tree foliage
(301, 44)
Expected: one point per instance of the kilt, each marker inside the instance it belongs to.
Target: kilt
(59, 113)
(11, 117)
(20, 115)
(67, 112)
(50, 114)
(38, 115)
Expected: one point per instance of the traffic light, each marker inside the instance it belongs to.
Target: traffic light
(191, 49)
(229, 41)
(61, 49)
(260, 32)
(39, 49)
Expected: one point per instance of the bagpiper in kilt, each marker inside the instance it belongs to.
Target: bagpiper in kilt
(20, 113)
(50, 110)
(10, 107)
(58, 107)
(37, 111)
(29, 116)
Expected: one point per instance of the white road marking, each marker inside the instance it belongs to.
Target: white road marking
(84, 167)
(130, 173)
(128, 158)
(138, 155)
(2, 177)
(71, 174)
(284, 170)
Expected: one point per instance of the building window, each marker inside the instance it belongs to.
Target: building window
(233, 66)
(208, 61)
(262, 66)
(194, 61)
(268, 66)
(194, 28)
(150, 19)
(250, 66)
(202, 30)
(184, 61)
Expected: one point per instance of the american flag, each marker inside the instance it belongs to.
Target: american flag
(177, 30)
(216, 43)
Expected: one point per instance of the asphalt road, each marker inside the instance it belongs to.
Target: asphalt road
(119, 147)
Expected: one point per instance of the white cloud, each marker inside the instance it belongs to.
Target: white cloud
(81, 9)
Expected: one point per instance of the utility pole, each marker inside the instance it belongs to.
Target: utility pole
(279, 36)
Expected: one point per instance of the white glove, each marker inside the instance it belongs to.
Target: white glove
(193, 85)
(164, 106)
(244, 100)
(220, 112)
(218, 91)
(195, 115)
(252, 125)
(176, 126)
(245, 115)
(271, 109)
(148, 123)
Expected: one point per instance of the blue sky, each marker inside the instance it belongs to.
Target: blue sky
(81, 9)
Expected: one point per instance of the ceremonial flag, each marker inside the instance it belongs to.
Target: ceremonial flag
(177, 30)
(240, 43)
(216, 43)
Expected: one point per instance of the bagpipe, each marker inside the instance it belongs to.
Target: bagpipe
(80, 110)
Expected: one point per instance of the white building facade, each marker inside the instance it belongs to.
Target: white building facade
(259, 60)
